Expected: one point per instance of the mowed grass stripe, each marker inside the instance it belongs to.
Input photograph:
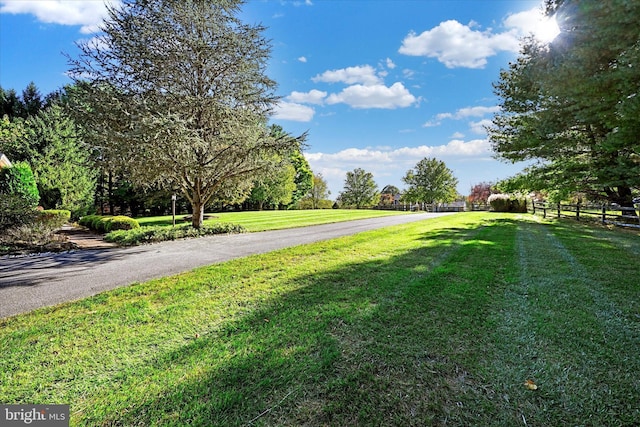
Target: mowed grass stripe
(273, 220)
(559, 328)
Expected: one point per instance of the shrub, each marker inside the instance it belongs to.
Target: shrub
(18, 195)
(105, 224)
(507, 203)
(499, 202)
(155, 234)
(54, 218)
(120, 222)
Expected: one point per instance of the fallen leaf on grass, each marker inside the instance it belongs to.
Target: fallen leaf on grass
(530, 385)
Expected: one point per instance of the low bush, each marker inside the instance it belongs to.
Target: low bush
(140, 235)
(54, 218)
(120, 222)
(106, 224)
(507, 203)
(499, 202)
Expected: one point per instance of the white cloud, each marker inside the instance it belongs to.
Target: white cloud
(479, 127)
(478, 111)
(458, 45)
(314, 96)
(462, 113)
(364, 74)
(410, 155)
(302, 59)
(86, 13)
(374, 96)
(390, 64)
(293, 111)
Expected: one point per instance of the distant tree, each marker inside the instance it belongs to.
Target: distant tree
(176, 91)
(303, 179)
(318, 193)
(430, 181)
(388, 194)
(480, 193)
(12, 139)
(10, 104)
(360, 190)
(31, 101)
(275, 188)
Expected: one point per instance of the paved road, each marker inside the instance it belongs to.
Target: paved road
(31, 282)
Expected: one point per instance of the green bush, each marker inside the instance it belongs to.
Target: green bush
(508, 203)
(19, 180)
(155, 234)
(120, 222)
(499, 202)
(54, 218)
(18, 195)
(105, 224)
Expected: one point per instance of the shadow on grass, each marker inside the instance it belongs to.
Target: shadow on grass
(389, 341)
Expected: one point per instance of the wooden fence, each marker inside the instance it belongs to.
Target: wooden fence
(607, 214)
(426, 207)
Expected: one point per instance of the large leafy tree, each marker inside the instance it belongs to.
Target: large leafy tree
(176, 91)
(573, 106)
(360, 190)
(430, 181)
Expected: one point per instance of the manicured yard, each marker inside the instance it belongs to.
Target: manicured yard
(274, 220)
(439, 322)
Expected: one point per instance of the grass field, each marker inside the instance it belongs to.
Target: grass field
(439, 322)
(274, 220)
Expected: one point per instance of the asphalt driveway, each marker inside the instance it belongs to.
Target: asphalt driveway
(32, 282)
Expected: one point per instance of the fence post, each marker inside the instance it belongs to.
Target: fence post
(578, 212)
(558, 209)
(533, 205)
(544, 210)
(604, 214)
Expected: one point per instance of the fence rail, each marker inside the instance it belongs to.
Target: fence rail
(607, 214)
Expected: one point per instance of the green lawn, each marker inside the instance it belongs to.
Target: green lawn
(439, 322)
(274, 220)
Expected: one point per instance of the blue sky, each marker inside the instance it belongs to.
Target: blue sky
(378, 84)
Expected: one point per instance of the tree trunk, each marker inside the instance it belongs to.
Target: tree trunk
(197, 207)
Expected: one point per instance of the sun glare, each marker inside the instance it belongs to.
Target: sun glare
(547, 30)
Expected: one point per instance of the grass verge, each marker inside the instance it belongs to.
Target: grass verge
(432, 323)
(275, 220)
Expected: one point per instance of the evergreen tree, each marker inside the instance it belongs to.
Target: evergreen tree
(573, 105)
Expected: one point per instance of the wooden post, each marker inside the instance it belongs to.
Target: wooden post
(578, 212)
(558, 209)
(604, 214)
(533, 205)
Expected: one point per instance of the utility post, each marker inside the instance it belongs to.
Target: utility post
(173, 208)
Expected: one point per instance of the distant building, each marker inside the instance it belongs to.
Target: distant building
(4, 162)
